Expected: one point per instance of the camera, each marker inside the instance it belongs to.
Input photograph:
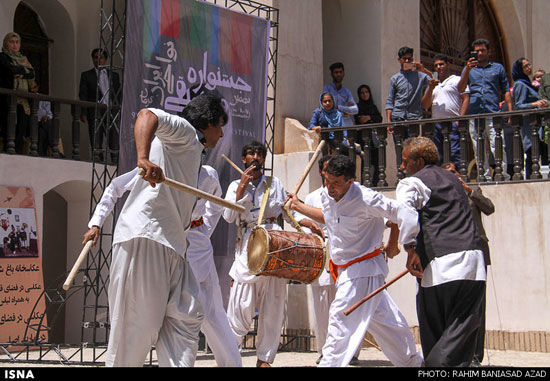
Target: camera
(473, 54)
(409, 66)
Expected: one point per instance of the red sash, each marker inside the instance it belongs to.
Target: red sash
(334, 267)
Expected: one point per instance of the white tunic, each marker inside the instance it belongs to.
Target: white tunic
(356, 227)
(163, 214)
(463, 265)
(252, 201)
(116, 188)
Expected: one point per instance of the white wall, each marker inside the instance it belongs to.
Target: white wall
(299, 62)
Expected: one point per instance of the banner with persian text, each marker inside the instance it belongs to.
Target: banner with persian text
(21, 278)
(177, 49)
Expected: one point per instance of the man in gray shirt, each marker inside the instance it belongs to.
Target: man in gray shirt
(404, 100)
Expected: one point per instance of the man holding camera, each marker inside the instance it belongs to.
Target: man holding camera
(404, 100)
(487, 81)
(448, 96)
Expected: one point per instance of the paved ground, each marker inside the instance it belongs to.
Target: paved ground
(369, 357)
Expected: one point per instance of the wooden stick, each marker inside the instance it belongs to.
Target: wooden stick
(232, 164)
(201, 194)
(372, 344)
(308, 167)
(77, 264)
(378, 290)
(301, 181)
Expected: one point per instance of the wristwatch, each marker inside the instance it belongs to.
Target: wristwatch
(408, 246)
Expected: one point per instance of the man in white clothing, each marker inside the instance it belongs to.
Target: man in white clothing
(354, 216)
(449, 97)
(200, 256)
(153, 295)
(250, 293)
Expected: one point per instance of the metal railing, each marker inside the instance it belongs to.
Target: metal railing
(364, 139)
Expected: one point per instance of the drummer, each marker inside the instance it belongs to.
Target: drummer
(250, 293)
(354, 217)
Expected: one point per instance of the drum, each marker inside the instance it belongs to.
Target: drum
(290, 255)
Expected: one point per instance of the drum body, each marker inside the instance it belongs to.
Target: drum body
(290, 255)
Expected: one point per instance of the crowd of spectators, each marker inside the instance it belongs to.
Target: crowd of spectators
(482, 88)
(414, 92)
(17, 73)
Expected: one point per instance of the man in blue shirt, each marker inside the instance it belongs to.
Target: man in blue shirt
(487, 81)
(343, 99)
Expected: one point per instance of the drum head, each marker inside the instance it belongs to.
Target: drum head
(258, 247)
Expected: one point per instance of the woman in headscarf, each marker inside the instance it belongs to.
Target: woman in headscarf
(327, 116)
(369, 113)
(525, 97)
(16, 73)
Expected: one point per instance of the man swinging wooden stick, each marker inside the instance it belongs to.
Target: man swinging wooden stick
(354, 216)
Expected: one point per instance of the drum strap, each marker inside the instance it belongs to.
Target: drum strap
(334, 267)
(264, 200)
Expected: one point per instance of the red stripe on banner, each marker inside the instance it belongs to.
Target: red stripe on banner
(224, 43)
(241, 44)
(170, 18)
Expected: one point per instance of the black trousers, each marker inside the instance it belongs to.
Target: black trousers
(449, 317)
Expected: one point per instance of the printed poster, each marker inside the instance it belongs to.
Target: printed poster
(21, 279)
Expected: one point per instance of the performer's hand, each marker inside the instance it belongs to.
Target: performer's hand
(153, 173)
(91, 234)
(413, 263)
(315, 229)
(391, 250)
(246, 177)
(292, 201)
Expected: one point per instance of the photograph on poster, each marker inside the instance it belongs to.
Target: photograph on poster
(18, 237)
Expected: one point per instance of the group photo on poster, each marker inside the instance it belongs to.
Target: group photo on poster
(18, 236)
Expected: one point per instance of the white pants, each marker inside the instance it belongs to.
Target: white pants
(153, 301)
(380, 315)
(488, 133)
(267, 296)
(321, 298)
(219, 336)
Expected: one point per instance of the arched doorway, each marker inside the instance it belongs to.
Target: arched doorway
(450, 27)
(54, 258)
(34, 43)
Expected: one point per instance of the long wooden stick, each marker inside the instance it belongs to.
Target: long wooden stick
(77, 264)
(308, 167)
(372, 344)
(199, 193)
(301, 181)
(231, 163)
(378, 290)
